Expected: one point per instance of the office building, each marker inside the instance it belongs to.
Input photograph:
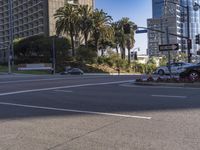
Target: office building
(174, 17)
(30, 18)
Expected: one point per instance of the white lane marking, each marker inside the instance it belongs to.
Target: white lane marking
(65, 91)
(75, 111)
(51, 79)
(33, 80)
(63, 87)
(169, 96)
(157, 87)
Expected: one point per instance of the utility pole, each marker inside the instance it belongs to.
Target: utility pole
(10, 47)
(188, 31)
(53, 55)
(169, 55)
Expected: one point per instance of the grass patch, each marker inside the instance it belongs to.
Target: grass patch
(3, 68)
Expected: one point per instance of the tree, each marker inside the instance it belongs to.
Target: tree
(85, 21)
(122, 39)
(101, 27)
(66, 22)
(39, 49)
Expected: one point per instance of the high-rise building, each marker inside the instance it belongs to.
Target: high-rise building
(30, 18)
(157, 8)
(166, 14)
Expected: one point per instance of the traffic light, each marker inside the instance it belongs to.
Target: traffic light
(132, 54)
(197, 39)
(135, 56)
(189, 42)
(127, 28)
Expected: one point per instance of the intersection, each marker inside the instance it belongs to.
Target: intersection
(96, 112)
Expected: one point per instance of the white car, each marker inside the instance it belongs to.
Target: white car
(176, 68)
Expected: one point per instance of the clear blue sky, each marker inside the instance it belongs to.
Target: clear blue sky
(137, 10)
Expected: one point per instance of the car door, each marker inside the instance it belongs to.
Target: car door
(179, 67)
(174, 68)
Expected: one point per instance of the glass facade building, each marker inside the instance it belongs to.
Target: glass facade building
(157, 6)
(179, 23)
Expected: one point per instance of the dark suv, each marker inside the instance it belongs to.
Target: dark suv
(192, 72)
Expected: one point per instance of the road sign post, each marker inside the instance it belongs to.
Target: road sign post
(168, 47)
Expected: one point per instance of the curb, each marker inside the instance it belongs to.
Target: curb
(195, 85)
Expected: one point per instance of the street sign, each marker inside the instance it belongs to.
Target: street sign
(140, 31)
(168, 47)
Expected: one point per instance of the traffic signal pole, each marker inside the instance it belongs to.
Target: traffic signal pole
(188, 31)
(169, 55)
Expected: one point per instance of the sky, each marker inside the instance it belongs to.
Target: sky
(137, 10)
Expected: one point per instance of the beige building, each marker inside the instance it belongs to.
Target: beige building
(30, 18)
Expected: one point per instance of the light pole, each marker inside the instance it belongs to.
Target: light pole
(54, 38)
(53, 55)
(10, 48)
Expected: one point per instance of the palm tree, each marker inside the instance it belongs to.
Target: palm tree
(85, 21)
(66, 21)
(117, 35)
(124, 40)
(101, 27)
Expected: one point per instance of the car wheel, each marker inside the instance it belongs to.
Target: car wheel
(194, 76)
(161, 72)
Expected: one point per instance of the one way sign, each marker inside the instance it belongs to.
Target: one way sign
(168, 47)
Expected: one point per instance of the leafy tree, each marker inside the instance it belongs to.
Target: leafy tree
(101, 27)
(124, 40)
(85, 21)
(66, 22)
(39, 49)
(86, 53)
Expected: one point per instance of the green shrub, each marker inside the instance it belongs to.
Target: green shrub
(86, 54)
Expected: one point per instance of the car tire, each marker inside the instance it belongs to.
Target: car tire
(193, 75)
(161, 72)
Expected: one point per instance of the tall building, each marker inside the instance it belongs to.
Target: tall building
(166, 14)
(157, 8)
(30, 18)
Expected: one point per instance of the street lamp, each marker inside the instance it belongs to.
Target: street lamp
(10, 48)
(54, 52)
(53, 55)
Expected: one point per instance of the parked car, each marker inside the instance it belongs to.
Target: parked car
(73, 71)
(176, 68)
(192, 72)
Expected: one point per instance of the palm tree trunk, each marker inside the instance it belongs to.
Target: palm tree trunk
(117, 50)
(86, 38)
(72, 42)
(124, 53)
(96, 45)
(72, 39)
(129, 56)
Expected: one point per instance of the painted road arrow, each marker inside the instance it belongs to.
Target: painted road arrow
(168, 47)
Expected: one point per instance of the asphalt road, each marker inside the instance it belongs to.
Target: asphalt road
(96, 113)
